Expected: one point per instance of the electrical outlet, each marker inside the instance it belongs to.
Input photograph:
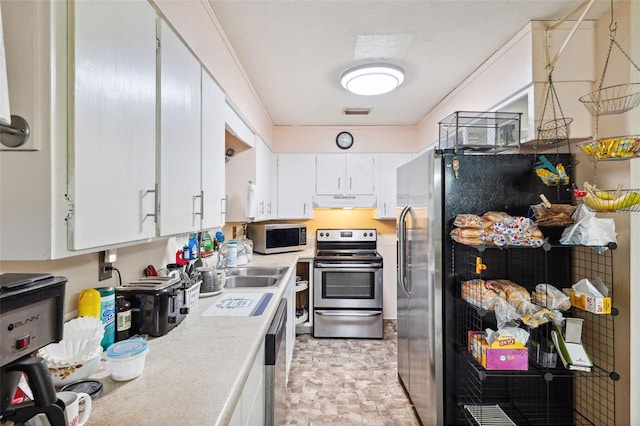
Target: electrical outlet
(103, 273)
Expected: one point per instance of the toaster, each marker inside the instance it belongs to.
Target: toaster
(157, 304)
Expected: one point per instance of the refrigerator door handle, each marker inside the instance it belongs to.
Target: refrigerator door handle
(402, 241)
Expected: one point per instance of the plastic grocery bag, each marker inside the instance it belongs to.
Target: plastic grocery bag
(589, 230)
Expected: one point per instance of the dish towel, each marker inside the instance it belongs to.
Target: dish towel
(5, 112)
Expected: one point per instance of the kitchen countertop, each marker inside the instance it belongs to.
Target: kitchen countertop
(195, 373)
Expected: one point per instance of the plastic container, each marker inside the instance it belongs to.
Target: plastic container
(232, 254)
(89, 303)
(108, 315)
(126, 359)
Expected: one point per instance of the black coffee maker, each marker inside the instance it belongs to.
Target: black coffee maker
(31, 317)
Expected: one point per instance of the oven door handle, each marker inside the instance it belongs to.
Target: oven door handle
(348, 314)
(341, 266)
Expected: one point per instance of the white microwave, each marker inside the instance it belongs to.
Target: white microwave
(271, 238)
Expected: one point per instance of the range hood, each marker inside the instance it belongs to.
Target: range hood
(344, 201)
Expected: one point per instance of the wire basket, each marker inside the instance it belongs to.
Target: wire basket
(558, 215)
(613, 99)
(609, 201)
(616, 148)
(554, 131)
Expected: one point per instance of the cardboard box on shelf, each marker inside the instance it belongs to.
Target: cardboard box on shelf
(589, 303)
(503, 354)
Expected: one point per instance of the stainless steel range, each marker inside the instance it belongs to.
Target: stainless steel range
(347, 284)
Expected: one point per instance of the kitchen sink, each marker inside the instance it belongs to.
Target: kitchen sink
(237, 281)
(257, 271)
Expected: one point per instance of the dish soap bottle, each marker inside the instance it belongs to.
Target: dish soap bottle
(89, 303)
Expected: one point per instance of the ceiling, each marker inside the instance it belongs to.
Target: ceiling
(294, 51)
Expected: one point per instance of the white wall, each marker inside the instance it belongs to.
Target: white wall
(366, 138)
(634, 252)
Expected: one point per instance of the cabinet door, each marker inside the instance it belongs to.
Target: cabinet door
(330, 174)
(179, 135)
(264, 178)
(386, 183)
(213, 173)
(295, 185)
(360, 174)
(113, 132)
(290, 294)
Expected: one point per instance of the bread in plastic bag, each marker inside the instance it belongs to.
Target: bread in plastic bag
(550, 297)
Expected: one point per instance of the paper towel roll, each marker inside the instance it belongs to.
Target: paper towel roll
(5, 112)
(251, 201)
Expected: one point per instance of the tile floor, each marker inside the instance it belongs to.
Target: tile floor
(347, 382)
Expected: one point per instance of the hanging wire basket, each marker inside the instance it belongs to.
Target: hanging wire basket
(616, 148)
(611, 201)
(554, 131)
(554, 127)
(613, 99)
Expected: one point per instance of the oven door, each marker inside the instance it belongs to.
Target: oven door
(347, 287)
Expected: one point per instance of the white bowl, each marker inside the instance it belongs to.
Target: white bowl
(126, 358)
(65, 374)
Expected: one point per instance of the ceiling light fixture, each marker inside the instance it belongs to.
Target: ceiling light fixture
(372, 79)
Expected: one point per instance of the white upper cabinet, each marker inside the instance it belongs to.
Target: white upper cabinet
(112, 139)
(212, 161)
(295, 182)
(180, 137)
(341, 174)
(265, 174)
(386, 182)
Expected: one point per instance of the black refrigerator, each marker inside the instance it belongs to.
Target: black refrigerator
(432, 189)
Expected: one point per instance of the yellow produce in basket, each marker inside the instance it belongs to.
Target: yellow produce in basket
(604, 201)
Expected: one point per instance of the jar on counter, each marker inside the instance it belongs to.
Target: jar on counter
(123, 318)
(232, 254)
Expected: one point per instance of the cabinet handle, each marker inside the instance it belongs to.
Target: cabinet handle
(269, 207)
(384, 207)
(304, 209)
(261, 207)
(154, 215)
(193, 207)
(350, 182)
(338, 183)
(224, 211)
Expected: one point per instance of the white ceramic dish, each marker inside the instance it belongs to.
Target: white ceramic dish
(65, 374)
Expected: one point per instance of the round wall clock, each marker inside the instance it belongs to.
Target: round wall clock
(344, 140)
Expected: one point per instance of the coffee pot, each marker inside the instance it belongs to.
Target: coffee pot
(31, 313)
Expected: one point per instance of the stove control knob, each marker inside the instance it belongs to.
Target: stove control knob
(364, 234)
(322, 234)
(327, 234)
(371, 234)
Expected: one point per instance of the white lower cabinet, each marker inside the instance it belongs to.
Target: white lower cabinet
(250, 409)
(290, 295)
